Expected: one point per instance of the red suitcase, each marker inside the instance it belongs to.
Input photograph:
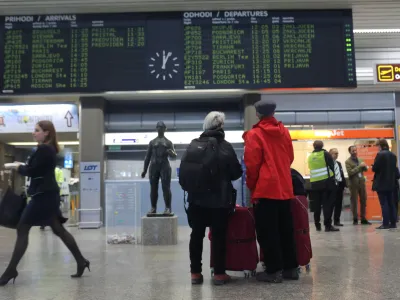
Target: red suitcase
(241, 248)
(301, 225)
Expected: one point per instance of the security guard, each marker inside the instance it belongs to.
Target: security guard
(323, 185)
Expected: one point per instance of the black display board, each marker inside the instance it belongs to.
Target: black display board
(91, 53)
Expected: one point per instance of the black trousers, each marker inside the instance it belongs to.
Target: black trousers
(326, 199)
(338, 204)
(201, 218)
(275, 234)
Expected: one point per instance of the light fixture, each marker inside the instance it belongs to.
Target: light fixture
(384, 30)
(67, 143)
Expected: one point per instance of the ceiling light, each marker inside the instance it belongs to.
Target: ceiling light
(387, 30)
(67, 143)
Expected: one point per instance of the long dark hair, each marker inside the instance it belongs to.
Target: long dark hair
(51, 137)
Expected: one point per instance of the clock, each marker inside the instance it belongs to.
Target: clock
(164, 65)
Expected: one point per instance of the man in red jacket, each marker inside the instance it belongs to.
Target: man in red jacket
(268, 155)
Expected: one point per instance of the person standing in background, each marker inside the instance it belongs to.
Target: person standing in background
(323, 185)
(340, 186)
(385, 183)
(268, 155)
(355, 170)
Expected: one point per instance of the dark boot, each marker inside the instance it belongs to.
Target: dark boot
(291, 274)
(331, 229)
(355, 222)
(272, 278)
(365, 222)
(318, 226)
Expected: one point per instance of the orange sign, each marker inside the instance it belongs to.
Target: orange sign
(388, 73)
(368, 153)
(387, 133)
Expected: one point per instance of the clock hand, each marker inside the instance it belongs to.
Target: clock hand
(165, 59)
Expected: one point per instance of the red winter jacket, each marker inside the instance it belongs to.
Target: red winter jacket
(268, 154)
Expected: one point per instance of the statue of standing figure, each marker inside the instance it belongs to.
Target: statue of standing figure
(157, 157)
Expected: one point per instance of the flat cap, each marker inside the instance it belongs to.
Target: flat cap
(265, 107)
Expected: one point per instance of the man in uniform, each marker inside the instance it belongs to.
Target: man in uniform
(341, 185)
(323, 185)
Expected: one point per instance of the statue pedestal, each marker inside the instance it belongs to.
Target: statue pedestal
(159, 231)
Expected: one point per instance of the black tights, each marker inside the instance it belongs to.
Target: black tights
(58, 229)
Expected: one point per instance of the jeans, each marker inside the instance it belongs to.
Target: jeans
(201, 218)
(388, 210)
(275, 234)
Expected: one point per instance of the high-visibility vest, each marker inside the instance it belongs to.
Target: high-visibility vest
(318, 167)
(59, 176)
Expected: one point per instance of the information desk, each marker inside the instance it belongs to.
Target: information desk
(90, 53)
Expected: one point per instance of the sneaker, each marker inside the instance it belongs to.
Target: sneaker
(272, 278)
(365, 222)
(318, 227)
(221, 279)
(197, 278)
(382, 227)
(291, 274)
(355, 222)
(331, 229)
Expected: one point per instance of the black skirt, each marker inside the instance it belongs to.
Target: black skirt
(42, 209)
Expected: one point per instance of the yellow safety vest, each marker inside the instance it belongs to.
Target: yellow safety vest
(318, 167)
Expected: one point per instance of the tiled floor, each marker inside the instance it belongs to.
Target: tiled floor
(356, 263)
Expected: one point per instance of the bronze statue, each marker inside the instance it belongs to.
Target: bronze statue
(157, 156)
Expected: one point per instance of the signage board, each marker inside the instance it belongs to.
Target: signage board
(23, 118)
(145, 51)
(387, 73)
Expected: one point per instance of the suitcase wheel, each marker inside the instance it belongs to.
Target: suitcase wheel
(263, 265)
(299, 270)
(247, 273)
(254, 273)
(308, 268)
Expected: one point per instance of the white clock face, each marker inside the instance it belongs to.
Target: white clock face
(164, 65)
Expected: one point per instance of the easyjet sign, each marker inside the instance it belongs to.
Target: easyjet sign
(387, 133)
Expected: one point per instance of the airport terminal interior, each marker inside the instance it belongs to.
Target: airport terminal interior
(106, 73)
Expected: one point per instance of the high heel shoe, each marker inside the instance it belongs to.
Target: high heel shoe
(5, 278)
(81, 269)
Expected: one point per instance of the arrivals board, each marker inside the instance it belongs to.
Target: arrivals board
(91, 53)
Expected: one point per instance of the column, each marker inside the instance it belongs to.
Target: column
(250, 117)
(91, 157)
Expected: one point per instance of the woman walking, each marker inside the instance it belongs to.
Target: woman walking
(43, 209)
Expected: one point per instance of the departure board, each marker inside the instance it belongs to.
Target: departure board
(94, 53)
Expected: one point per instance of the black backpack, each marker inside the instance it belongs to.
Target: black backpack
(199, 171)
(298, 182)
